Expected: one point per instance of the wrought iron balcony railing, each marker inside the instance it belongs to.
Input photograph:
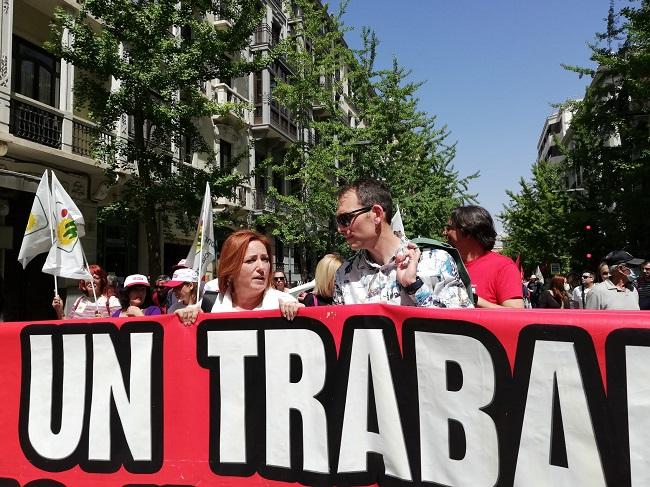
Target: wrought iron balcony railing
(85, 136)
(31, 122)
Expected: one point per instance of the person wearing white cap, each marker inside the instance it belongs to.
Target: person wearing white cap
(135, 298)
(183, 283)
(535, 290)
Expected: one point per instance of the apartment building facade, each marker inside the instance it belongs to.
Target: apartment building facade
(41, 128)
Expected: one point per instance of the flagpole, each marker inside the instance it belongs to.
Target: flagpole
(51, 220)
(92, 284)
(201, 220)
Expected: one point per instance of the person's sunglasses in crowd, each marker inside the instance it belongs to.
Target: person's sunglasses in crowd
(279, 279)
(344, 220)
(587, 276)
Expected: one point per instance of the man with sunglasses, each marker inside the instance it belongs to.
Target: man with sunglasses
(617, 292)
(386, 268)
(579, 294)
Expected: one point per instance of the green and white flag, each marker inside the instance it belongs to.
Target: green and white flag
(66, 257)
(38, 233)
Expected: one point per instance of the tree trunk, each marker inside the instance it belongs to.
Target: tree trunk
(153, 242)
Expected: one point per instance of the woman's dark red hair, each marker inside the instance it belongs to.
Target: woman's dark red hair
(104, 288)
(233, 253)
(557, 287)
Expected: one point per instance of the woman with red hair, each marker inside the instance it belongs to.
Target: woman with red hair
(84, 306)
(556, 296)
(244, 276)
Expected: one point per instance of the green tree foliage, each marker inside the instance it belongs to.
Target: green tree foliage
(610, 143)
(395, 141)
(406, 149)
(162, 53)
(314, 54)
(537, 217)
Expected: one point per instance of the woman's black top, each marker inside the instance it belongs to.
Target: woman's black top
(321, 300)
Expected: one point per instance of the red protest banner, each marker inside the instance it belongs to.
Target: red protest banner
(342, 395)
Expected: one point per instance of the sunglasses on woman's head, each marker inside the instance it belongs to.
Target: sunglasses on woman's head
(345, 219)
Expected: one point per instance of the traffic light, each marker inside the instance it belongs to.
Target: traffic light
(588, 242)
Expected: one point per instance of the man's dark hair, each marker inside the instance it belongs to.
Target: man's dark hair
(476, 222)
(371, 192)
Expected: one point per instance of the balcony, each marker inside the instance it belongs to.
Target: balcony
(84, 137)
(262, 35)
(241, 113)
(270, 119)
(242, 199)
(266, 36)
(263, 203)
(35, 121)
(222, 24)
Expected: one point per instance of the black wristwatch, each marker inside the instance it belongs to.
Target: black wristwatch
(412, 288)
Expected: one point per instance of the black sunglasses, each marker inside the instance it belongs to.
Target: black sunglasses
(586, 276)
(279, 278)
(345, 219)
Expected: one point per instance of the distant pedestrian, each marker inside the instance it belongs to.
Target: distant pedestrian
(322, 294)
(160, 293)
(579, 294)
(556, 296)
(643, 285)
(617, 292)
(135, 298)
(603, 272)
(535, 289)
(183, 283)
(280, 281)
(85, 306)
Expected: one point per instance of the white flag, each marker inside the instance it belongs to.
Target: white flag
(397, 225)
(38, 236)
(540, 276)
(202, 250)
(66, 257)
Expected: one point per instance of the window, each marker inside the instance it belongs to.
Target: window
(225, 153)
(35, 73)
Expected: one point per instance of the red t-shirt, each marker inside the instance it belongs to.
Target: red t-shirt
(496, 277)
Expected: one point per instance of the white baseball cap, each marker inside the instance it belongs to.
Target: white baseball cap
(182, 275)
(136, 280)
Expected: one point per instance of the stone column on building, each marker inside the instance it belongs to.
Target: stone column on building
(66, 101)
(6, 34)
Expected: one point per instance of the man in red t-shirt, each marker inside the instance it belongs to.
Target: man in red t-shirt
(496, 277)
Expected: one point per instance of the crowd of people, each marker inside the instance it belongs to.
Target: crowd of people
(386, 268)
(615, 285)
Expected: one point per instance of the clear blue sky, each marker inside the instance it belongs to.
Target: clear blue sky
(491, 71)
